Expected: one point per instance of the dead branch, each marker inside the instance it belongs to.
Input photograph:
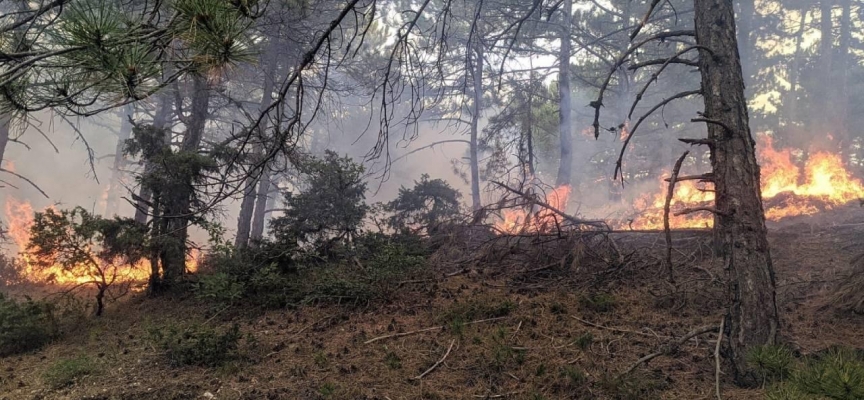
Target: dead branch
(713, 121)
(452, 342)
(613, 329)
(25, 179)
(706, 142)
(535, 200)
(717, 358)
(660, 61)
(426, 330)
(644, 21)
(618, 164)
(698, 209)
(706, 177)
(656, 74)
(597, 104)
(669, 347)
(669, 193)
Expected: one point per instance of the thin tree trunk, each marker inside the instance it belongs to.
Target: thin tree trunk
(792, 99)
(824, 118)
(752, 313)
(178, 203)
(5, 123)
(565, 126)
(841, 98)
(244, 219)
(262, 204)
(477, 75)
(145, 192)
(112, 204)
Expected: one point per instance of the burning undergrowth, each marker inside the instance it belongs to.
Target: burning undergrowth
(790, 188)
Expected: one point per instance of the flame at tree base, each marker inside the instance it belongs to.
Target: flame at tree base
(19, 217)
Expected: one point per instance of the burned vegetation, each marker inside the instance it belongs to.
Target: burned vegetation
(636, 200)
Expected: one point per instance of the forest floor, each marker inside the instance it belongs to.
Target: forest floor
(504, 327)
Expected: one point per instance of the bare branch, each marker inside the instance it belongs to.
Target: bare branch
(630, 134)
(669, 193)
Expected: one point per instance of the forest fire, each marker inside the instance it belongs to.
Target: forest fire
(19, 217)
(787, 190)
(519, 220)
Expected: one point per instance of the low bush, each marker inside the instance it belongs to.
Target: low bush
(197, 345)
(66, 371)
(772, 362)
(836, 374)
(25, 326)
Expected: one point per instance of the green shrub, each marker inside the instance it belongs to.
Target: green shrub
(772, 362)
(25, 326)
(837, 374)
(197, 345)
(785, 391)
(597, 302)
(66, 371)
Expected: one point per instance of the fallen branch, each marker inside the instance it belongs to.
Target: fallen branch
(717, 358)
(669, 194)
(452, 342)
(619, 330)
(434, 328)
(669, 347)
(568, 217)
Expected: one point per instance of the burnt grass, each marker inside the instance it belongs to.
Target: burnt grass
(532, 317)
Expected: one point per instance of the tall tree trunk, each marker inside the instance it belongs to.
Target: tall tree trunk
(841, 98)
(177, 204)
(112, 204)
(5, 123)
(145, 192)
(529, 132)
(262, 204)
(826, 86)
(565, 125)
(247, 207)
(752, 318)
(794, 69)
(477, 74)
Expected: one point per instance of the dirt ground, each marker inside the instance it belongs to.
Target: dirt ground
(507, 323)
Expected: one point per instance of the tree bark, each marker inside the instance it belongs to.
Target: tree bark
(5, 123)
(247, 207)
(112, 205)
(177, 204)
(565, 103)
(145, 193)
(262, 204)
(752, 311)
(841, 98)
(477, 75)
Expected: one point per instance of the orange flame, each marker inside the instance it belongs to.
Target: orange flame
(823, 183)
(19, 217)
(543, 220)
